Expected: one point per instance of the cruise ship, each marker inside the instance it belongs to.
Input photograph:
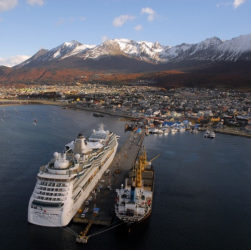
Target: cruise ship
(67, 180)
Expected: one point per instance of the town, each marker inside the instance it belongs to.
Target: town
(219, 108)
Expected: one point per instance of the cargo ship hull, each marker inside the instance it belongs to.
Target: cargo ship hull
(134, 201)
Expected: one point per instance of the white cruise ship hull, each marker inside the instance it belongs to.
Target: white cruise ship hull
(60, 217)
(46, 217)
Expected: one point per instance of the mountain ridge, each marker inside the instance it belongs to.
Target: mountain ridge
(74, 61)
(210, 49)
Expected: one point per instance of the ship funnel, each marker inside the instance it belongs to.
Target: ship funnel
(80, 145)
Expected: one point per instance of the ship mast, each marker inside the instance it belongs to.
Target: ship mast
(140, 167)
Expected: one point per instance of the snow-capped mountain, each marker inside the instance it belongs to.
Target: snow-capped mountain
(62, 51)
(146, 51)
(212, 62)
(212, 49)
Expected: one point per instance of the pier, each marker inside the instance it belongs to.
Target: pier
(232, 131)
(98, 209)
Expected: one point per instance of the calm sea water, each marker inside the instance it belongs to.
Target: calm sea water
(202, 190)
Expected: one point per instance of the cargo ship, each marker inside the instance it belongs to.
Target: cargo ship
(135, 198)
(66, 181)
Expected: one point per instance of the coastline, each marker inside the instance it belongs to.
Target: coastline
(13, 102)
(4, 103)
(105, 112)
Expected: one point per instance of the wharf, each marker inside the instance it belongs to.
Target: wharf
(100, 206)
(103, 111)
(231, 131)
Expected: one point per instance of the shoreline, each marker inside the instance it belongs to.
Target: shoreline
(6, 103)
(111, 113)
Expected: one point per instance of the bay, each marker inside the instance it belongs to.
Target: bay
(202, 187)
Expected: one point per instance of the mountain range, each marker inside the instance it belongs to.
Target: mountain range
(212, 62)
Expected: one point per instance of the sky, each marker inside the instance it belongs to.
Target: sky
(29, 25)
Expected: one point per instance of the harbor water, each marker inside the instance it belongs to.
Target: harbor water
(202, 187)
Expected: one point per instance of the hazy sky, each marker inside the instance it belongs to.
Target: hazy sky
(29, 25)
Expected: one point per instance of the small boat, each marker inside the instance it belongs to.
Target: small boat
(209, 134)
(194, 131)
(212, 135)
(182, 129)
(97, 115)
(35, 122)
(155, 131)
(165, 130)
(206, 134)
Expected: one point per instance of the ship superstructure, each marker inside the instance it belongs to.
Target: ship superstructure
(134, 200)
(67, 180)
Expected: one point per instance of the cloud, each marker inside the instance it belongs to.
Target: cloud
(7, 4)
(237, 3)
(138, 27)
(121, 20)
(13, 60)
(35, 2)
(150, 12)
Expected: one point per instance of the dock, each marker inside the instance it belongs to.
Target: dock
(232, 131)
(103, 111)
(99, 207)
